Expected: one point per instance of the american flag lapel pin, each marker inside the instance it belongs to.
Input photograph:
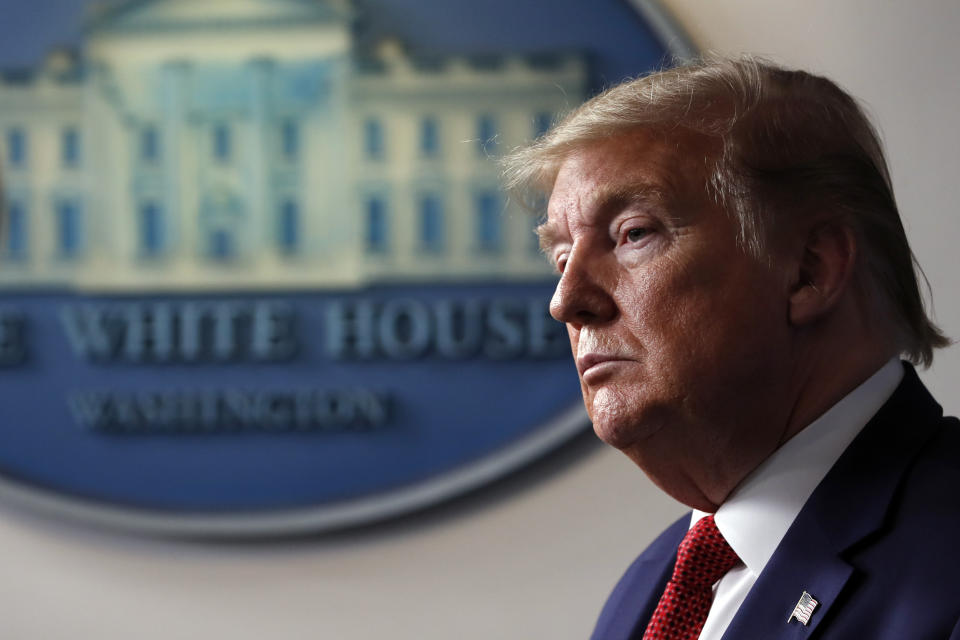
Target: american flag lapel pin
(804, 609)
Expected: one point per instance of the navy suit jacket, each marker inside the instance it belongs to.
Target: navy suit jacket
(877, 543)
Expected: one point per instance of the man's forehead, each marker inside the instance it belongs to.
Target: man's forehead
(643, 167)
(599, 204)
(591, 179)
(637, 162)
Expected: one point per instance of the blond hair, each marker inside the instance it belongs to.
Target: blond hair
(790, 144)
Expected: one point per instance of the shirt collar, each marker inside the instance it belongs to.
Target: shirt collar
(756, 516)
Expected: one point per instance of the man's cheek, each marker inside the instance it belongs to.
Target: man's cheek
(574, 340)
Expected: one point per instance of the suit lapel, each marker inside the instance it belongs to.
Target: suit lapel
(814, 567)
(630, 606)
(850, 505)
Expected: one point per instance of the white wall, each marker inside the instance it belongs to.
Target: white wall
(901, 59)
(533, 557)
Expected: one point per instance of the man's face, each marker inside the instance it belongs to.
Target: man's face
(681, 340)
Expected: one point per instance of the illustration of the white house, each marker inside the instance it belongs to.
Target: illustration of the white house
(225, 144)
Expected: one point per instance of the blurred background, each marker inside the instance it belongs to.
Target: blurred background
(534, 554)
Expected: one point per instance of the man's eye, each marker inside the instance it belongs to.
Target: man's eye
(636, 234)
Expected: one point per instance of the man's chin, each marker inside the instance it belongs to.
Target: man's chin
(621, 418)
(619, 434)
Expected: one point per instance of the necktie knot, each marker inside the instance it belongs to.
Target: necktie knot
(703, 556)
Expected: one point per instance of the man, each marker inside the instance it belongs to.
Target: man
(738, 290)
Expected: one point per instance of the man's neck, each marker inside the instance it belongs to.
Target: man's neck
(826, 380)
(705, 476)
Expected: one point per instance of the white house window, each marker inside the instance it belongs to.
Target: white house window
(68, 228)
(70, 147)
(374, 145)
(16, 148)
(149, 144)
(151, 229)
(17, 231)
(220, 245)
(222, 142)
(486, 134)
(432, 232)
(488, 222)
(429, 137)
(378, 230)
(222, 216)
(288, 228)
(289, 139)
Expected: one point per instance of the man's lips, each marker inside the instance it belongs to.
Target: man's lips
(594, 363)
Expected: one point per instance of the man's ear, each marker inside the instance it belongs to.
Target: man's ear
(823, 272)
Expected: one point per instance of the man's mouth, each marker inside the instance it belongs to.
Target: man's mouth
(592, 365)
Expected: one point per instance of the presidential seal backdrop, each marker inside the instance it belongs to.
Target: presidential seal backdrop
(258, 275)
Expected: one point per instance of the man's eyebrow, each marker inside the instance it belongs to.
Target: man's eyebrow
(645, 193)
(549, 235)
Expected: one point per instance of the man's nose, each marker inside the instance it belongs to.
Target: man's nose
(581, 297)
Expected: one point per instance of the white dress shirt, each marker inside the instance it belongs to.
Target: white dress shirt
(758, 513)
